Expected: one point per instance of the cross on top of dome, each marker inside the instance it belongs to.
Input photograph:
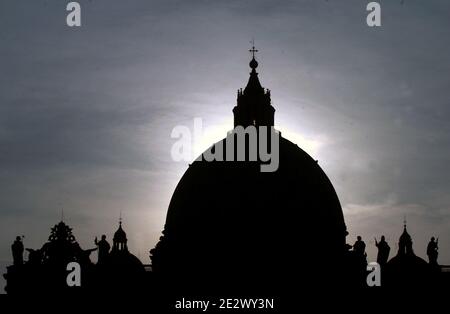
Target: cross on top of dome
(253, 50)
(253, 62)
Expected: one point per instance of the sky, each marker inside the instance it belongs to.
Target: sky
(86, 113)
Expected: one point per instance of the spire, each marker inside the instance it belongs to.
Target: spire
(253, 103)
(405, 233)
(253, 82)
(120, 237)
(405, 241)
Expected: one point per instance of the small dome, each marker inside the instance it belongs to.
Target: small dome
(253, 63)
(125, 260)
(399, 268)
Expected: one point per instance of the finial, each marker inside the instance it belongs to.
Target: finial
(253, 50)
(404, 222)
(62, 214)
(253, 63)
(120, 218)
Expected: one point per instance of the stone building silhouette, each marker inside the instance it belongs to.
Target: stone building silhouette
(408, 269)
(45, 271)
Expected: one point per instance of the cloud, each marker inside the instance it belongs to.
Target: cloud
(86, 115)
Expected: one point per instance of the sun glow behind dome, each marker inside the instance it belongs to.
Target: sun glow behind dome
(308, 144)
(213, 133)
(210, 134)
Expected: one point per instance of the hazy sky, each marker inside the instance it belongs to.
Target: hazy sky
(86, 114)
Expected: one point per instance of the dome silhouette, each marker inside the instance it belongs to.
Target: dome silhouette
(121, 269)
(125, 260)
(120, 257)
(406, 268)
(229, 219)
(253, 63)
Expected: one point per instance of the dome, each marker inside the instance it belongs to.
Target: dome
(124, 260)
(122, 272)
(406, 268)
(230, 218)
(253, 63)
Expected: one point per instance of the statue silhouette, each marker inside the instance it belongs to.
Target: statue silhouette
(432, 251)
(359, 247)
(383, 251)
(17, 251)
(103, 249)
